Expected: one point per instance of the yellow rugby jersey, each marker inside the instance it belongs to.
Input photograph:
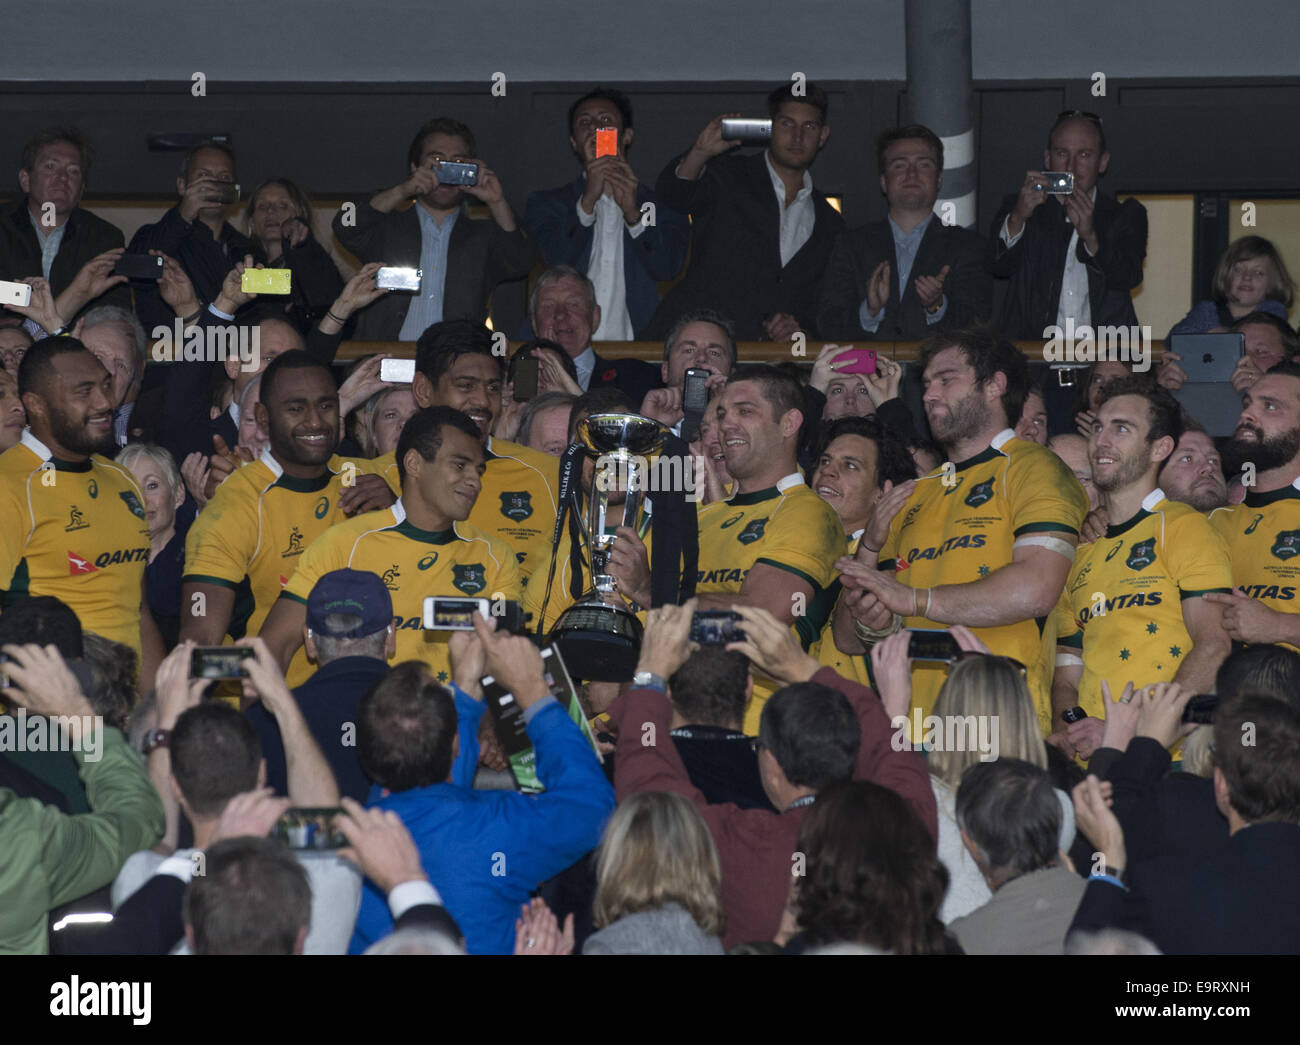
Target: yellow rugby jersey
(518, 501)
(962, 530)
(786, 526)
(253, 532)
(1263, 539)
(413, 564)
(851, 666)
(1122, 605)
(75, 531)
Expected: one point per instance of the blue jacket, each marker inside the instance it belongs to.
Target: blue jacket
(654, 256)
(486, 851)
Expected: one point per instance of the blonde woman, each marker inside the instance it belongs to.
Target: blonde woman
(990, 692)
(169, 525)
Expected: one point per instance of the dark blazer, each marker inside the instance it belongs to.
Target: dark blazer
(1239, 900)
(1035, 266)
(86, 236)
(480, 256)
(857, 252)
(657, 254)
(205, 259)
(633, 377)
(735, 265)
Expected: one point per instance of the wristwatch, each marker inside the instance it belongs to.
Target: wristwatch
(156, 738)
(651, 680)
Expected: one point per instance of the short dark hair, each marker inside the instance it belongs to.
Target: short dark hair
(1011, 812)
(47, 136)
(781, 391)
(406, 726)
(1287, 368)
(1290, 343)
(1257, 748)
(986, 355)
(812, 733)
(709, 688)
(1266, 670)
(442, 344)
(253, 897)
(911, 132)
(112, 679)
(1164, 412)
(423, 434)
(812, 95)
(604, 400)
(702, 315)
(45, 621)
(893, 460)
(215, 756)
(1087, 117)
(294, 359)
(439, 125)
(609, 94)
(203, 146)
(37, 366)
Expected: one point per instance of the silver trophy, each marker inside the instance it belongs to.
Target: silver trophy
(599, 635)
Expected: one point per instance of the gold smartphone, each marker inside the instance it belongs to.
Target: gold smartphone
(265, 281)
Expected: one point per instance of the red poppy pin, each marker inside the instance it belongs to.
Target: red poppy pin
(608, 376)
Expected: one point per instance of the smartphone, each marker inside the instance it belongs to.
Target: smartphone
(450, 173)
(12, 293)
(398, 279)
(219, 662)
(139, 266)
(856, 361)
(695, 400)
(751, 132)
(401, 371)
(1200, 709)
(265, 281)
(312, 828)
(716, 627)
(1056, 183)
(525, 383)
(932, 644)
(227, 192)
(606, 141)
(447, 614)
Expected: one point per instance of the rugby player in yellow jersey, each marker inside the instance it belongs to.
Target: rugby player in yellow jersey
(245, 545)
(73, 522)
(773, 543)
(859, 467)
(1263, 532)
(421, 546)
(1135, 607)
(987, 540)
(455, 367)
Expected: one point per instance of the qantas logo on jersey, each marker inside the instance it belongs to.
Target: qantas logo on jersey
(408, 623)
(720, 576)
(78, 565)
(980, 493)
(133, 503)
(1287, 545)
(1122, 602)
(517, 505)
(1141, 555)
(470, 578)
(1267, 591)
(968, 541)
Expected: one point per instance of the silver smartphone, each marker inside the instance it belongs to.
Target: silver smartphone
(399, 371)
(397, 279)
(751, 132)
(12, 293)
(1056, 183)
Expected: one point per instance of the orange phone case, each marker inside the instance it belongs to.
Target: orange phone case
(606, 141)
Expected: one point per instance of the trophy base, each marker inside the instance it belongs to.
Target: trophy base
(598, 641)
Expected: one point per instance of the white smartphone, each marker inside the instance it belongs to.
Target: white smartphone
(398, 279)
(401, 371)
(15, 293)
(448, 614)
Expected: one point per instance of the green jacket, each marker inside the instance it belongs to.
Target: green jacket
(48, 858)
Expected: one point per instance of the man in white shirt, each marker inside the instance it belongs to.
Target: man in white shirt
(1075, 256)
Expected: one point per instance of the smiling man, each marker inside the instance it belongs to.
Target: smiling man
(899, 277)
(245, 545)
(421, 546)
(74, 522)
(1136, 606)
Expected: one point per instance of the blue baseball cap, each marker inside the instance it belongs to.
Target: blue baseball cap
(356, 592)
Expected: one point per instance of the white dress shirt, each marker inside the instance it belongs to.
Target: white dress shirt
(605, 268)
(1074, 302)
(797, 219)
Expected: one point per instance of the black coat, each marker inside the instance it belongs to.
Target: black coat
(84, 237)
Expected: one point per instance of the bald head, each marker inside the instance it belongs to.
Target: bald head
(1073, 450)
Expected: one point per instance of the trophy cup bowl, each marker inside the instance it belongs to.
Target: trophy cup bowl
(599, 635)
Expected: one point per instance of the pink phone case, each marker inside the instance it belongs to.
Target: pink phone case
(860, 361)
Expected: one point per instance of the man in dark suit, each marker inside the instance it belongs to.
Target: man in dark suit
(899, 277)
(1240, 899)
(762, 234)
(461, 260)
(46, 233)
(600, 223)
(563, 309)
(1075, 256)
